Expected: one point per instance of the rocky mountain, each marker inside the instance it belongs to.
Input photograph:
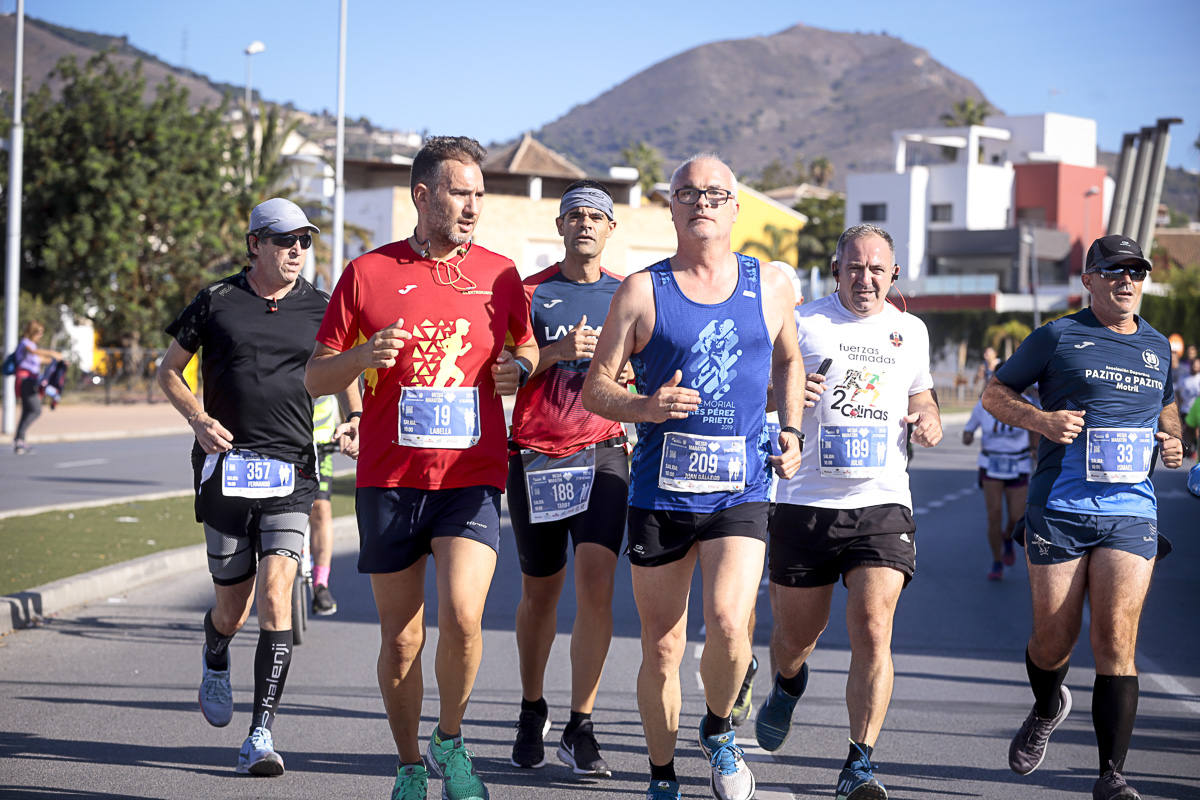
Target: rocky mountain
(804, 91)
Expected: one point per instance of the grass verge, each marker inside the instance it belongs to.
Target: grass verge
(45, 547)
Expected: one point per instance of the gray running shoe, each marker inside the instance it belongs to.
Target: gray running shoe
(258, 756)
(1112, 786)
(216, 694)
(1028, 747)
(774, 720)
(731, 777)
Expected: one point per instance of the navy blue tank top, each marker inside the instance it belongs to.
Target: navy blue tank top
(724, 352)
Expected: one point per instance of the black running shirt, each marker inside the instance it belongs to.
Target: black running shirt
(252, 363)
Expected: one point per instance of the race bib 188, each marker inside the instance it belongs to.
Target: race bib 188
(558, 487)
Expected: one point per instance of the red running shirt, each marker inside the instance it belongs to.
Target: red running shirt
(393, 283)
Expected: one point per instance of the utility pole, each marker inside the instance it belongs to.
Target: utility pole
(12, 266)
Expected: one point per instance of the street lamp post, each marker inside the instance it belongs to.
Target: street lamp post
(1031, 244)
(1092, 191)
(252, 49)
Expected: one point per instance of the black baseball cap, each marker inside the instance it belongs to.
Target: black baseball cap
(1108, 251)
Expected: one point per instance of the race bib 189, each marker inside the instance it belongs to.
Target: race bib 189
(853, 451)
(442, 418)
(247, 474)
(558, 487)
(1119, 455)
(694, 463)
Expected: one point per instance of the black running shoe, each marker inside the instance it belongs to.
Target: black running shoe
(529, 750)
(579, 751)
(1112, 786)
(1028, 747)
(745, 697)
(323, 603)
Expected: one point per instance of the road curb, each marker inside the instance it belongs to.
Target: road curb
(27, 609)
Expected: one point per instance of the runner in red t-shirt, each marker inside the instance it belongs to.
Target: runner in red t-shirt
(425, 320)
(568, 475)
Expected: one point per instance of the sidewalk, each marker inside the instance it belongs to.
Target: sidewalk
(82, 421)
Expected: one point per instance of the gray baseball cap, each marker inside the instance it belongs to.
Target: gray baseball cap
(279, 215)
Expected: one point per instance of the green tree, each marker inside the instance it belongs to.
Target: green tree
(646, 159)
(818, 239)
(1006, 336)
(128, 203)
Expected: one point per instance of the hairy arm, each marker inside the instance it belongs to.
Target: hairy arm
(210, 433)
(330, 372)
(1007, 405)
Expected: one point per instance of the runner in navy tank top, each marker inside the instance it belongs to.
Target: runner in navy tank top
(1090, 530)
(701, 330)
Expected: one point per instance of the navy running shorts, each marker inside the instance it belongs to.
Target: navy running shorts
(542, 546)
(1055, 537)
(397, 525)
(658, 537)
(813, 546)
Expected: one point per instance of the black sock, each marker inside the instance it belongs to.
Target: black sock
(577, 719)
(854, 755)
(713, 724)
(271, 662)
(538, 705)
(216, 645)
(1114, 708)
(1046, 685)
(794, 685)
(664, 773)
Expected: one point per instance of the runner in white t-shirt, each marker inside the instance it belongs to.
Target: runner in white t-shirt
(847, 512)
(1006, 455)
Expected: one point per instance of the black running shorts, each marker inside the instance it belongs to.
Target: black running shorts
(813, 546)
(542, 546)
(396, 526)
(662, 537)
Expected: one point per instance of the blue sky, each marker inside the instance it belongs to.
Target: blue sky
(493, 70)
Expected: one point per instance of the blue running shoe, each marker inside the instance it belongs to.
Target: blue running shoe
(857, 781)
(731, 778)
(258, 756)
(663, 790)
(774, 720)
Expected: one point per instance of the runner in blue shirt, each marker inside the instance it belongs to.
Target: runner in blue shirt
(1091, 524)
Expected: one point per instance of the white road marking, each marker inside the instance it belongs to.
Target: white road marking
(87, 462)
(773, 793)
(1168, 683)
(697, 650)
(699, 681)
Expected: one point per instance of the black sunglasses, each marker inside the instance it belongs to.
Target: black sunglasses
(1136, 274)
(286, 240)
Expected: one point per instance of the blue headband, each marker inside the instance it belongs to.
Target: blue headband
(586, 196)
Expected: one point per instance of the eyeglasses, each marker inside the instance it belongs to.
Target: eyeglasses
(1136, 274)
(690, 195)
(286, 240)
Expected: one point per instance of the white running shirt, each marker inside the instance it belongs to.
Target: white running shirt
(878, 363)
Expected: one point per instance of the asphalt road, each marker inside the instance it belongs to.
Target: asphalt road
(101, 702)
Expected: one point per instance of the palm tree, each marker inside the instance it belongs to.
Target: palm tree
(1005, 336)
(821, 170)
(780, 244)
(967, 111)
(646, 159)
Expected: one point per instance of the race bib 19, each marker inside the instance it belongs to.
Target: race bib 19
(558, 487)
(853, 451)
(441, 418)
(694, 463)
(247, 474)
(1118, 455)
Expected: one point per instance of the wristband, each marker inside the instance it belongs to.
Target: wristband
(523, 372)
(353, 415)
(794, 432)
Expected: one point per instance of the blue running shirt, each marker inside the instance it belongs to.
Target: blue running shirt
(1121, 380)
(724, 351)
